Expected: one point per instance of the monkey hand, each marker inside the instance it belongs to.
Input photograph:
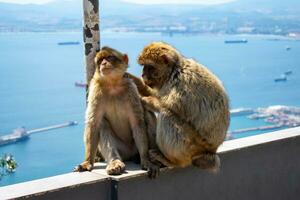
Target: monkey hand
(152, 169)
(152, 103)
(85, 166)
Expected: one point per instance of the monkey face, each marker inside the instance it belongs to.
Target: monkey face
(110, 62)
(109, 65)
(152, 75)
(158, 60)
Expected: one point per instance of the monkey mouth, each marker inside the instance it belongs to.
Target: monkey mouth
(106, 69)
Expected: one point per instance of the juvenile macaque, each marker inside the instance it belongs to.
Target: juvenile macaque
(117, 125)
(192, 104)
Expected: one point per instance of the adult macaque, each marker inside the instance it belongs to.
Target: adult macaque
(192, 104)
(116, 122)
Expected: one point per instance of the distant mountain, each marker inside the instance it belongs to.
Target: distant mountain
(262, 15)
(48, 17)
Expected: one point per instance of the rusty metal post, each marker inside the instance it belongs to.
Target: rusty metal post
(91, 35)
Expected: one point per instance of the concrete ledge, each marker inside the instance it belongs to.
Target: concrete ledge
(59, 187)
(263, 167)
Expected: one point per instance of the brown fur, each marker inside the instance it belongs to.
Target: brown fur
(116, 122)
(192, 104)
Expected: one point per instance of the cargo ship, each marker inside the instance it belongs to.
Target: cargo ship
(283, 78)
(287, 73)
(69, 43)
(235, 41)
(80, 84)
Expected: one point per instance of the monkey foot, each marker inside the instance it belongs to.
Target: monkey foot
(115, 167)
(152, 169)
(85, 166)
(208, 161)
(157, 157)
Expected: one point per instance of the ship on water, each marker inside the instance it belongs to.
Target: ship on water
(69, 43)
(288, 72)
(80, 84)
(235, 41)
(21, 134)
(282, 78)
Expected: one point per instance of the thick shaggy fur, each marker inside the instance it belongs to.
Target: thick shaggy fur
(192, 104)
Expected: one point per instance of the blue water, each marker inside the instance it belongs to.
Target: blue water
(37, 87)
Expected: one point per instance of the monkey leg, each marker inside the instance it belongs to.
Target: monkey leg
(207, 161)
(176, 143)
(99, 157)
(150, 120)
(113, 150)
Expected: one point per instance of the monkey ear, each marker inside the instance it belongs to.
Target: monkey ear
(125, 59)
(165, 58)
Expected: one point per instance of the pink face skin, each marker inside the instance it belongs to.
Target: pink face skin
(113, 67)
(106, 67)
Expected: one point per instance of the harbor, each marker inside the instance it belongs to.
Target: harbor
(21, 134)
(277, 116)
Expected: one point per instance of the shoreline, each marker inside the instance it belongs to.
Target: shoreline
(272, 37)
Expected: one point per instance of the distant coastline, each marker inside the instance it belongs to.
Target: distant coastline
(271, 37)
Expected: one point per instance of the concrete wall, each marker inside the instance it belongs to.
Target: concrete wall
(259, 167)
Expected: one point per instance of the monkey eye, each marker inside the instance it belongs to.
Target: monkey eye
(99, 61)
(149, 67)
(111, 59)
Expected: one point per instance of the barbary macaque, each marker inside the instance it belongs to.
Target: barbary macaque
(116, 123)
(192, 106)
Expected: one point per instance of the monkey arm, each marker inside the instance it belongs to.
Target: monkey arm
(143, 89)
(94, 116)
(137, 122)
(138, 126)
(91, 140)
(152, 103)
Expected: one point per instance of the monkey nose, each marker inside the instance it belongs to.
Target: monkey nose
(104, 62)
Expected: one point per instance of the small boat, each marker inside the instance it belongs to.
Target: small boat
(73, 123)
(69, 43)
(283, 78)
(235, 41)
(289, 72)
(288, 48)
(80, 84)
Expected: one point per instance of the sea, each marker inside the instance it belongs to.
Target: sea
(37, 88)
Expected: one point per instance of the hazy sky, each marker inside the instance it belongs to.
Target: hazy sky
(133, 1)
(205, 2)
(26, 1)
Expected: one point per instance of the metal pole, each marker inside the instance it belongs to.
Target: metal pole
(91, 35)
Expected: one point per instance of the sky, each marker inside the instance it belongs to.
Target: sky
(26, 1)
(204, 2)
